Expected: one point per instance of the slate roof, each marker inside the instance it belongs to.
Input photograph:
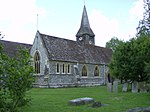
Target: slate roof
(67, 50)
(10, 48)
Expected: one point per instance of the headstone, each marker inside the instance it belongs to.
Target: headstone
(81, 101)
(143, 87)
(115, 86)
(139, 109)
(109, 87)
(134, 87)
(125, 87)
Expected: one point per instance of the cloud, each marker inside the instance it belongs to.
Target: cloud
(103, 27)
(136, 12)
(18, 19)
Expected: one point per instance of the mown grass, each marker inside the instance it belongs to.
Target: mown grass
(56, 100)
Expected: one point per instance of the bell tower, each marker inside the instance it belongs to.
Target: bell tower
(85, 34)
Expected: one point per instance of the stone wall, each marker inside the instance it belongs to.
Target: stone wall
(39, 47)
(60, 79)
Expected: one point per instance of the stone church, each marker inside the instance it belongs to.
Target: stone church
(61, 62)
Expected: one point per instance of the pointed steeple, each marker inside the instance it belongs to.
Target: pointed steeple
(85, 25)
(85, 30)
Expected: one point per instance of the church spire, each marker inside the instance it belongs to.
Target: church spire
(85, 29)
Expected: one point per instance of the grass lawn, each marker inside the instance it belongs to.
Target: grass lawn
(56, 100)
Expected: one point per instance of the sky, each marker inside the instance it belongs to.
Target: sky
(20, 19)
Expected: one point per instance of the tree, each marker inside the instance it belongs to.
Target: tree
(113, 43)
(130, 61)
(144, 24)
(130, 58)
(1, 36)
(120, 66)
(147, 70)
(15, 78)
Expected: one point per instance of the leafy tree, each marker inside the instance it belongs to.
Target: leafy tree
(1, 36)
(129, 58)
(113, 43)
(15, 78)
(142, 54)
(144, 24)
(119, 66)
(147, 70)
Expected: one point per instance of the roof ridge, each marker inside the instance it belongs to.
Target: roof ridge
(50, 36)
(16, 42)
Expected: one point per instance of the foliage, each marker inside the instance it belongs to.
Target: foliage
(1, 36)
(129, 58)
(15, 78)
(144, 24)
(113, 43)
(129, 61)
(147, 70)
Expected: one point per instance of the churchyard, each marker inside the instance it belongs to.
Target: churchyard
(57, 100)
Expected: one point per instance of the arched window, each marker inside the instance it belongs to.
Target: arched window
(84, 71)
(63, 68)
(96, 71)
(57, 68)
(37, 62)
(68, 69)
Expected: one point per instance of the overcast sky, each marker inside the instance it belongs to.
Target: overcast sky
(62, 18)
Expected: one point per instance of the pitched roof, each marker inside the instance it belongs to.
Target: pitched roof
(85, 25)
(67, 50)
(10, 48)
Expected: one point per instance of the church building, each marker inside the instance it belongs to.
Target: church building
(61, 62)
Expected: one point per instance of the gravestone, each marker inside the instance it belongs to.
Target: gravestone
(134, 87)
(143, 87)
(109, 87)
(125, 87)
(115, 86)
(81, 101)
(139, 109)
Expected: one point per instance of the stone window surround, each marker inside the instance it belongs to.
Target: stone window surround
(57, 68)
(68, 69)
(37, 64)
(95, 72)
(84, 72)
(63, 68)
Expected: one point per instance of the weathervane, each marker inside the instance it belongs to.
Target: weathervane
(84, 2)
(37, 23)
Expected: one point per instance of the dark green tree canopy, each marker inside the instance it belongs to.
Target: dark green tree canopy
(113, 43)
(129, 59)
